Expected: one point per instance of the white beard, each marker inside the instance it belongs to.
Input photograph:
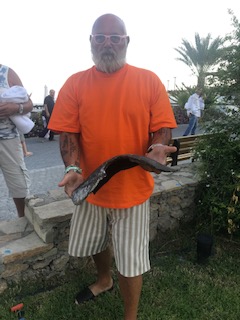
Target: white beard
(108, 61)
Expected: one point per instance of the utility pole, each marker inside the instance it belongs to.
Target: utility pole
(45, 91)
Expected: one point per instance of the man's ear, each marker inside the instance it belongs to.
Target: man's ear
(128, 39)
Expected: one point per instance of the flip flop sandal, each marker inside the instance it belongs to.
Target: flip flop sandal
(86, 295)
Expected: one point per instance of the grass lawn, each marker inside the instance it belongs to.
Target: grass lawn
(176, 288)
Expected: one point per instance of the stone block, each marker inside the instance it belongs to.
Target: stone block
(19, 225)
(60, 263)
(3, 285)
(47, 233)
(13, 269)
(54, 212)
(47, 218)
(24, 249)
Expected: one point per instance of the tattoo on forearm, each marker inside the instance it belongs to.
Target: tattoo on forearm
(64, 145)
(164, 135)
(72, 147)
(69, 148)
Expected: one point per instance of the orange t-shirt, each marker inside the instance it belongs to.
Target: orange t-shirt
(114, 114)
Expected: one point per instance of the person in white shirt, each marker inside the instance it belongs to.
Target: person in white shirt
(194, 107)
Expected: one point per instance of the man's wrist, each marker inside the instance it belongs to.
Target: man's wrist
(152, 146)
(73, 168)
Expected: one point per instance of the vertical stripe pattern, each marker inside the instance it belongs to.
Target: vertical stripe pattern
(88, 231)
(130, 235)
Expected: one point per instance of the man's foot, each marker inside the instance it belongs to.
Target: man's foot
(86, 295)
(28, 154)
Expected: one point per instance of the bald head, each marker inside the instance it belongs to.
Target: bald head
(109, 24)
(109, 42)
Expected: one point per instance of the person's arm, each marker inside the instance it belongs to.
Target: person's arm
(46, 108)
(202, 104)
(189, 106)
(10, 108)
(70, 152)
(159, 148)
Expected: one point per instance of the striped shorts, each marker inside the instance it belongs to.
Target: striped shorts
(91, 226)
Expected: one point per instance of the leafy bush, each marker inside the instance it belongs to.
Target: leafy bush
(180, 115)
(38, 125)
(218, 201)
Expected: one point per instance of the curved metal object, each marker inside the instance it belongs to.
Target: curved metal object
(112, 166)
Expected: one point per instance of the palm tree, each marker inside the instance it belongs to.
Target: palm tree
(203, 57)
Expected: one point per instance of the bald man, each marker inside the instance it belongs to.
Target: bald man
(111, 109)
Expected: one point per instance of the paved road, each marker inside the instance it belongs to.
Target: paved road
(46, 170)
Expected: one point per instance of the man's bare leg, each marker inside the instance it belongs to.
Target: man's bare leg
(130, 290)
(20, 205)
(104, 282)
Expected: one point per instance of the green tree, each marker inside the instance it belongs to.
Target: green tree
(227, 77)
(203, 58)
(218, 194)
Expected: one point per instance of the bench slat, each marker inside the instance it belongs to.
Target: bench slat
(186, 149)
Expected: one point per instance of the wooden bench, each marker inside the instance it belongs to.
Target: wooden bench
(185, 146)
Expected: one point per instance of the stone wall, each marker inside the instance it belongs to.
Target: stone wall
(36, 245)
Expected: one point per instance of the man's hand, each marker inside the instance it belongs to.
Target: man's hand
(160, 153)
(8, 109)
(71, 181)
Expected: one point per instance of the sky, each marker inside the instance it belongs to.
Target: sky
(46, 41)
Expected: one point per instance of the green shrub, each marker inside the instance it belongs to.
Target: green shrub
(217, 197)
(38, 125)
(180, 115)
